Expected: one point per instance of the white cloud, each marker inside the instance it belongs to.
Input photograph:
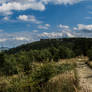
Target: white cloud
(17, 38)
(61, 34)
(69, 34)
(63, 26)
(50, 35)
(82, 27)
(3, 40)
(65, 2)
(6, 6)
(21, 38)
(23, 17)
(75, 28)
(29, 18)
(46, 26)
(6, 18)
(35, 31)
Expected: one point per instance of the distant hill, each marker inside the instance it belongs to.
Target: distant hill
(82, 43)
(4, 48)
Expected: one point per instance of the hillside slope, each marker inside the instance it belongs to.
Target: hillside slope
(82, 44)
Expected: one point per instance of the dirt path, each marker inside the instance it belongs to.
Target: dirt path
(85, 76)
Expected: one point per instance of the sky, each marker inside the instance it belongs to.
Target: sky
(25, 21)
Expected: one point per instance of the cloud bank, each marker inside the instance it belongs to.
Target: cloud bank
(18, 38)
(6, 6)
(84, 28)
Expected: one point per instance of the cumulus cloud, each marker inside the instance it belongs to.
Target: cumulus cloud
(3, 40)
(56, 34)
(6, 6)
(6, 18)
(29, 18)
(63, 26)
(46, 26)
(35, 31)
(50, 35)
(82, 27)
(21, 38)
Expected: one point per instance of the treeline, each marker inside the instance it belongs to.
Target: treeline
(78, 45)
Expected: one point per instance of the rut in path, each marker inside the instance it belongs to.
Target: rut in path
(85, 76)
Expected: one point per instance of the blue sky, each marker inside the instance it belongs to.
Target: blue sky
(24, 21)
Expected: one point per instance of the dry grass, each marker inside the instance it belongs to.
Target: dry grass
(66, 82)
(62, 83)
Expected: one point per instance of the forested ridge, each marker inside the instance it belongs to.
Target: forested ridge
(78, 45)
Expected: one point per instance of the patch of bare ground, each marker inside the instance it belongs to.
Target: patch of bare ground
(85, 76)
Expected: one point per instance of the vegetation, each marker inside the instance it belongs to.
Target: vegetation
(32, 67)
(38, 79)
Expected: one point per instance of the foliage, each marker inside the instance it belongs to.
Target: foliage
(39, 77)
(7, 67)
(89, 54)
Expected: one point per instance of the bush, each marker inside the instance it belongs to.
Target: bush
(89, 54)
(42, 74)
(45, 55)
(54, 53)
(65, 52)
(25, 61)
(7, 67)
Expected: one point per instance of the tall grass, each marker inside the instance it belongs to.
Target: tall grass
(62, 83)
(44, 77)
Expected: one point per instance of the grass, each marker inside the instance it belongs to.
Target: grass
(65, 82)
(44, 77)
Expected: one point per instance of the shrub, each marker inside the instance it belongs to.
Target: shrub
(65, 52)
(89, 54)
(42, 74)
(45, 55)
(54, 53)
(7, 67)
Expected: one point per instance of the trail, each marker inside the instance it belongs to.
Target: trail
(85, 76)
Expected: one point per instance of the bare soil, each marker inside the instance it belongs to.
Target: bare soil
(85, 76)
